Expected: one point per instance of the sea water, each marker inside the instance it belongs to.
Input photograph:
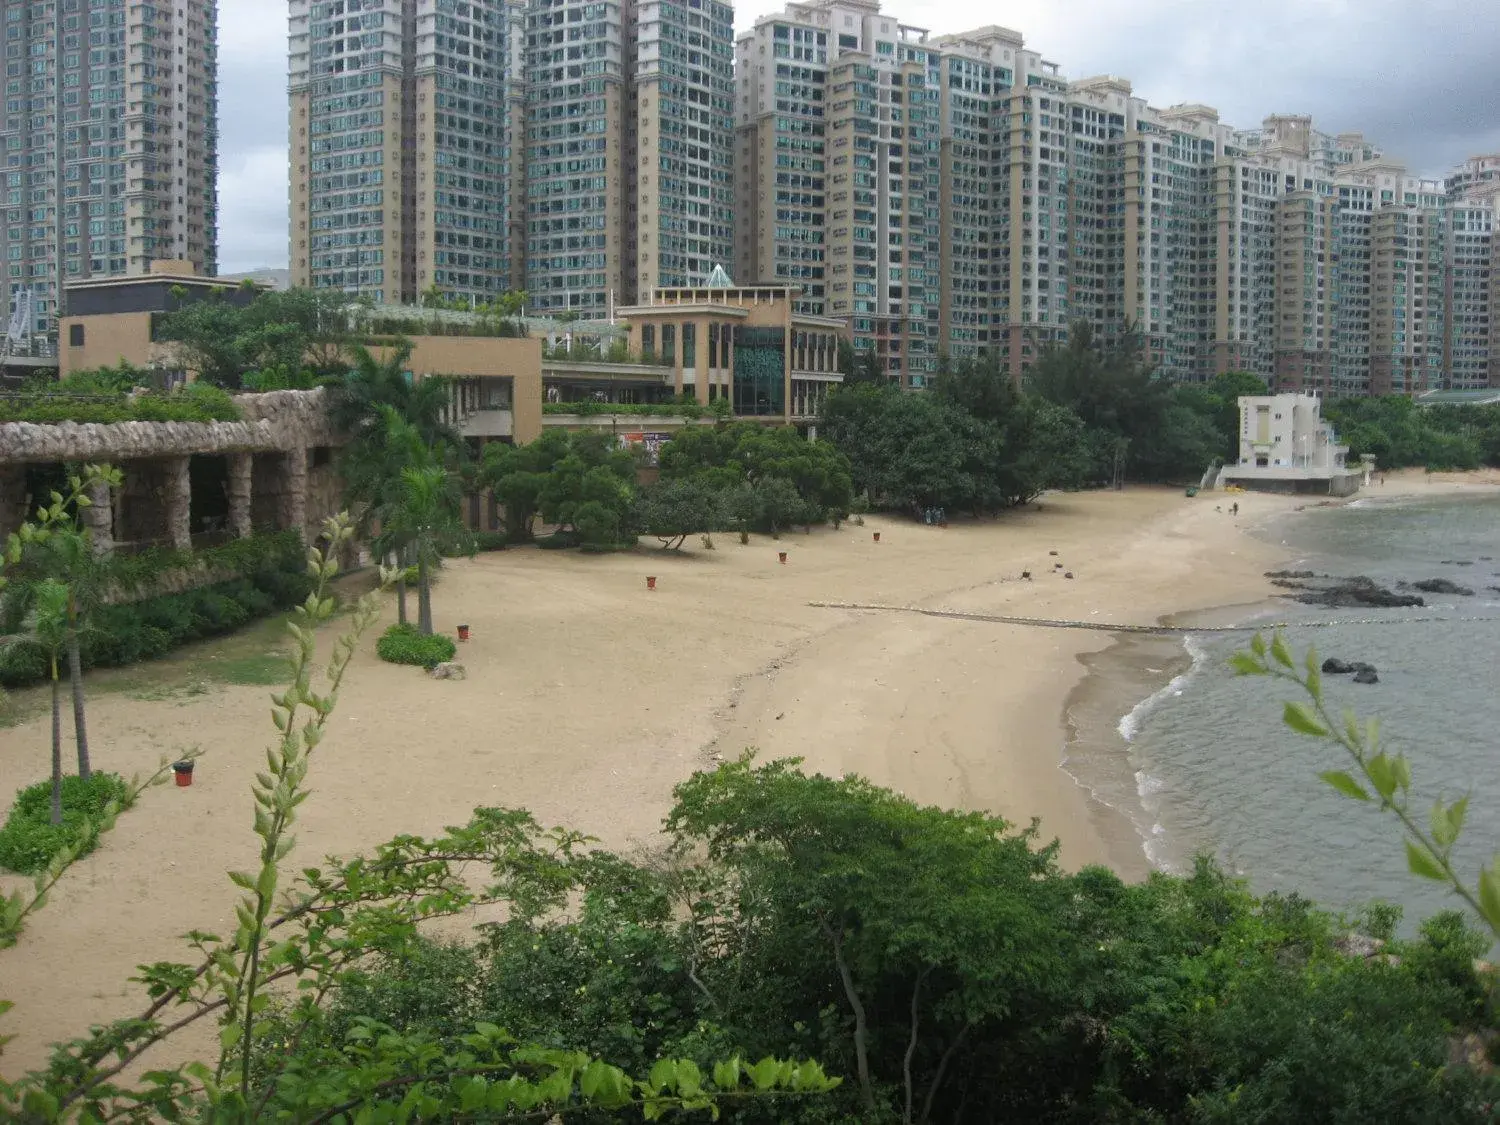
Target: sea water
(1216, 770)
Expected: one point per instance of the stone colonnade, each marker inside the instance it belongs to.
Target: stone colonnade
(153, 502)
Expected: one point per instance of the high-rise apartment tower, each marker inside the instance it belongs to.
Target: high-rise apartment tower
(629, 136)
(406, 121)
(137, 174)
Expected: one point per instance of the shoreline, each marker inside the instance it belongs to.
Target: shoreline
(1123, 684)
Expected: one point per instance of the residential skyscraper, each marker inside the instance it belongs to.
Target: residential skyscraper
(838, 172)
(405, 129)
(139, 160)
(629, 157)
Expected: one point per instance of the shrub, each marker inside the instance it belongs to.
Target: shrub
(402, 644)
(491, 540)
(141, 630)
(29, 839)
(559, 540)
(197, 402)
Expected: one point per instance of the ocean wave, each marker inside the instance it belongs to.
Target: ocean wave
(1130, 724)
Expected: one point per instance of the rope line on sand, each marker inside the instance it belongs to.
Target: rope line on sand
(1118, 627)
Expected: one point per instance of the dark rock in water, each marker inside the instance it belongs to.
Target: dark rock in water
(1366, 676)
(1354, 593)
(1486, 558)
(1026, 574)
(1333, 666)
(1339, 593)
(1457, 562)
(1357, 666)
(1441, 586)
(1067, 574)
(1052, 552)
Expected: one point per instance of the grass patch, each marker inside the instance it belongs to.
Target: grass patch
(265, 669)
(29, 839)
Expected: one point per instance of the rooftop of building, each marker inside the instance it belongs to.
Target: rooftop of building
(1486, 397)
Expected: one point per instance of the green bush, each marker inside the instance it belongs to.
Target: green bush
(197, 402)
(142, 630)
(29, 839)
(491, 540)
(559, 540)
(402, 644)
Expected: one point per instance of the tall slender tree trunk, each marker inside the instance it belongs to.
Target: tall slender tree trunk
(424, 597)
(56, 745)
(400, 558)
(75, 681)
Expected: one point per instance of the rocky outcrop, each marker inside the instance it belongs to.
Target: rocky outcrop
(1356, 592)
(1363, 673)
(1440, 586)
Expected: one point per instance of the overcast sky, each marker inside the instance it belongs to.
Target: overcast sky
(1421, 79)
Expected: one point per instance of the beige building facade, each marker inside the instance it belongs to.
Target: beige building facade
(745, 345)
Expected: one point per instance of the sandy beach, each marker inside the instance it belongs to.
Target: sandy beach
(588, 697)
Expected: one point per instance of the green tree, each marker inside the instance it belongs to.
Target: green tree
(867, 371)
(671, 510)
(54, 547)
(424, 515)
(516, 474)
(46, 628)
(288, 331)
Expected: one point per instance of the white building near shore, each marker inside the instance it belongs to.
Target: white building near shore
(1285, 446)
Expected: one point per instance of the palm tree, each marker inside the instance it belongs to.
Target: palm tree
(85, 576)
(426, 517)
(46, 627)
(358, 409)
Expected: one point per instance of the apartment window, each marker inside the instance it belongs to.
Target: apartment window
(75, 335)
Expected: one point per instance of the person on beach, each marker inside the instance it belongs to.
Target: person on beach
(1234, 509)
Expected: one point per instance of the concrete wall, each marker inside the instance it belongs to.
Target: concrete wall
(515, 358)
(107, 339)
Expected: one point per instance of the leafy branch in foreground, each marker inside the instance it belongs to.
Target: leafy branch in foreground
(1376, 775)
(268, 986)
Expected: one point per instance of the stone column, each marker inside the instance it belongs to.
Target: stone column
(294, 495)
(99, 518)
(702, 360)
(240, 465)
(177, 494)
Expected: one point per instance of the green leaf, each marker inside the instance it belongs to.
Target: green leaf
(1246, 665)
(1403, 773)
(663, 1075)
(1447, 821)
(1300, 718)
(1489, 895)
(727, 1074)
(1280, 653)
(1258, 645)
(473, 1094)
(1420, 861)
(1345, 784)
(1382, 773)
(764, 1073)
